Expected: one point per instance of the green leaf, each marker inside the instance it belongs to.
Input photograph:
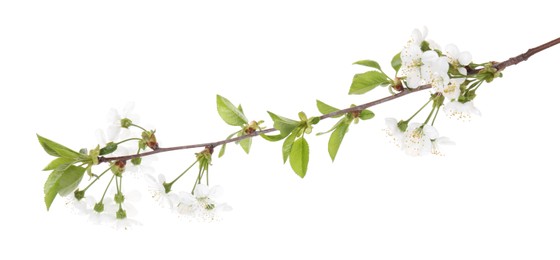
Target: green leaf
(284, 125)
(109, 148)
(273, 138)
(63, 180)
(58, 150)
(326, 109)
(57, 162)
(336, 139)
(396, 62)
(223, 149)
(368, 63)
(70, 179)
(287, 146)
(246, 144)
(229, 113)
(366, 114)
(364, 82)
(299, 157)
(344, 120)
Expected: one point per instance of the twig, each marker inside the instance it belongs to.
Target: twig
(500, 66)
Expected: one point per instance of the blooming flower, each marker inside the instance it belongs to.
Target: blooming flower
(202, 205)
(418, 139)
(393, 131)
(140, 167)
(437, 142)
(452, 90)
(116, 121)
(421, 68)
(157, 190)
(457, 58)
(461, 111)
(102, 212)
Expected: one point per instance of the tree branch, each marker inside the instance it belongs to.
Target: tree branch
(500, 66)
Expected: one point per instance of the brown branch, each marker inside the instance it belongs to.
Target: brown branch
(500, 66)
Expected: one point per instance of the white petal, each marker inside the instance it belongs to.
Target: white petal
(128, 107)
(113, 132)
(100, 136)
(462, 70)
(161, 178)
(452, 51)
(430, 131)
(465, 58)
(216, 192)
(113, 116)
(444, 140)
(201, 191)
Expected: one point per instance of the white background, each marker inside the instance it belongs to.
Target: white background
(495, 195)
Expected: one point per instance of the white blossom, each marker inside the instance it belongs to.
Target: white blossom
(457, 58)
(115, 129)
(167, 200)
(421, 68)
(393, 131)
(81, 206)
(438, 142)
(203, 204)
(418, 139)
(452, 90)
(461, 111)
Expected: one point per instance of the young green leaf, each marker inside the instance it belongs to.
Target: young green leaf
(366, 114)
(368, 63)
(287, 145)
(299, 157)
(336, 139)
(284, 125)
(364, 82)
(109, 148)
(58, 150)
(326, 109)
(63, 180)
(246, 144)
(273, 138)
(223, 149)
(70, 179)
(396, 62)
(344, 120)
(229, 113)
(57, 162)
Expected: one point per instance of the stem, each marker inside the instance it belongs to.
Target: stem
(422, 108)
(105, 192)
(197, 179)
(435, 116)
(500, 66)
(430, 115)
(183, 173)
(129, 139)
(142, 128)
(89, 185)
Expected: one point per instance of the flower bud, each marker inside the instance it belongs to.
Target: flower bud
(118, 167)
(150, 140)
(126, 123)
(119, 198)
(79, 194)
(121, 214)
(136, 161)
(99, 207)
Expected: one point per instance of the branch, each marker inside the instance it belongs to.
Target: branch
(500, 66)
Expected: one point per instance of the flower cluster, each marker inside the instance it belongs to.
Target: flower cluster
(114, 207)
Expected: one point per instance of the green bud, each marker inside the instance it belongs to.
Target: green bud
(126, 123)
(79, 194)
(136, 161)
(314, 120)
(109, 148)
(167, 187)
(149, 138)
(119, 198)
(402, 125)
(118, 168)
(121, 214)
(302, 116)
(99, 207)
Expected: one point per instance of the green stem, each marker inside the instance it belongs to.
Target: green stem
(437, 112)
(183, 173)
(419, 110)
(142, 128)
(429, 116)
(97, 178)
(129, 139)
(207, 178)
(197, 179)
(105, 192)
